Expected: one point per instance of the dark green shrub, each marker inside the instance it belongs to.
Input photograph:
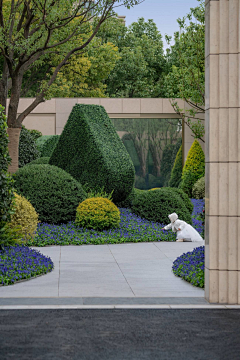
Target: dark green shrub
(176, 173)
(193, 169)
(41, 160)
(199, 189)
(127, 203)
(27, 147)
(156, 205)
(35, 134)
(41, 141)
(185, 198)
(54, 194)
(6, 181)
(140, 183)
(49, 145)
(91, 151)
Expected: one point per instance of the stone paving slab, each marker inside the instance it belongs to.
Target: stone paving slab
(109, 271)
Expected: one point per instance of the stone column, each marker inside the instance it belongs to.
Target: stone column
(222, 263)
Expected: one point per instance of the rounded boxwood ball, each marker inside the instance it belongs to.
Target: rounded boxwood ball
(98, 214)
(156, 205)
(53, 193)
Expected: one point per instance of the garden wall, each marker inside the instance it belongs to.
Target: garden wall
(51, 116)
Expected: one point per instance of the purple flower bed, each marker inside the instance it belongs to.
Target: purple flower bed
(132, 229)
(190, 266)
(20, 262)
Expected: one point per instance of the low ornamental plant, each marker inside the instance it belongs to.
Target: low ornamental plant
(131, 229)
(20, 263)
(190, 266)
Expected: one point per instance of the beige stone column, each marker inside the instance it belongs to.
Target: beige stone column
(222, 275)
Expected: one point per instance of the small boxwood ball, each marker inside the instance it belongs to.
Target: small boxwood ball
(54, 193)
(98, 214)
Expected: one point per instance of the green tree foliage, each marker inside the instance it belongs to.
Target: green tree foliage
(90, 150)
(185, 69)
(176, 173)
(138, 71)
(199, 189)
(193, 169)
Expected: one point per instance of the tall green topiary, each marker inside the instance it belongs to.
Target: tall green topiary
(53, 192)
(91, 151)
(167, 162)
(27, 147)
(176, 173)
(193, 169)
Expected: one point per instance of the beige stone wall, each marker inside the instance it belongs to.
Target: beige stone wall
(222, 152)
(50, 117)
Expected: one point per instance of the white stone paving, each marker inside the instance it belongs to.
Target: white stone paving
(119, 270)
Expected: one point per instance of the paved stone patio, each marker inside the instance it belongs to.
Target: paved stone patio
(130, 273)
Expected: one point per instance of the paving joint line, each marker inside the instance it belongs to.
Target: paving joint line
(121, 270)
(59, 270)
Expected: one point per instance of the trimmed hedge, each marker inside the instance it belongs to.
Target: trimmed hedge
(184, 197)
(199, 189)
(127, 203)
(41, 141)
(176, 173)
(41, 160)
(54, 194)
(193, 169)
(27, 147)
(49, 145)
(91, 151)
(156, 205)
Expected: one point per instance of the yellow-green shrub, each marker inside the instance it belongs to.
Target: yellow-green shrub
(25, 217)
(98, 214)
(199, 188)
(193, 169)
(154, 189)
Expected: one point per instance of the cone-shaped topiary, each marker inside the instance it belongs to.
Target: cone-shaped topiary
(49, 145)
(25, 217)
(199, 189)
(156, 205)
(193, 169)
(176, 173)
(90, 149)
(53, 192)
(98, 214)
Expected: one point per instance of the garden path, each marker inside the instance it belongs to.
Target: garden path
(130, 271)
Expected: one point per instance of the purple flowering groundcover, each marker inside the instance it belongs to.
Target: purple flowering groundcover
(20, 262)
(190, 266)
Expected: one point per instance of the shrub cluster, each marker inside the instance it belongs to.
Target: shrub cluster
(27, 147)
(198, 190)
(6, 181)
(176, 173)
(169, 154)
(91, 151)
(47, 144)
(156, 205)
(54, 193)
(193, 169)
(97, 213)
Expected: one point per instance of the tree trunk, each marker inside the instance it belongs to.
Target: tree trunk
(14, 134)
